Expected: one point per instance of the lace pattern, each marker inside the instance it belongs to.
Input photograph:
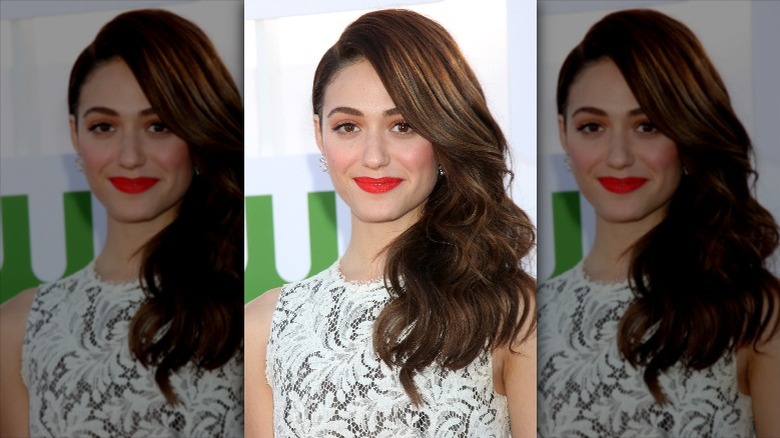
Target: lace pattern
(83, 381)
(328, 382)
(586, 389)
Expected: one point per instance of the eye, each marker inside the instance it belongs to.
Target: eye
(346, 128)
(101, 128)
(646, 128)
(158, 128)
(590, 128)
(402, 128)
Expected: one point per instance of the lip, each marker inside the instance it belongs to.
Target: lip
(377, 185)
(133, 185)
(622, 185)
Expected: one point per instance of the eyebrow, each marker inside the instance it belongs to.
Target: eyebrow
(357, 113)
(601, 112)
(110, 112)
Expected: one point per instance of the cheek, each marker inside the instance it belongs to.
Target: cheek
(95, 157)
(583, 158)
(174, 157)
(418, 156)
(663, 157)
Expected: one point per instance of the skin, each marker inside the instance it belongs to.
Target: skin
(362, 134)
(605, 135)
(117, 134)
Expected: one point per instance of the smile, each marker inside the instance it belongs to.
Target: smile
(622, 185)
(377, 185)
(133, 185)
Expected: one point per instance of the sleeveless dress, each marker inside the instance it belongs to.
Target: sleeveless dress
(83, 382)
(586, 389)
(328, 382)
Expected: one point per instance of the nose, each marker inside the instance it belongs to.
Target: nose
(375, 153)
(131, 153)
(620, 153)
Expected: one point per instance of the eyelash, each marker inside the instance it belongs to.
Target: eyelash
(156, 127)
(405, 125)
(589, 128)
(100, 128)
(340, 128)
(593, 128)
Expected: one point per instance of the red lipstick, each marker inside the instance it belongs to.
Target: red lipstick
(377, 185)
(133, 185)
(622, 185)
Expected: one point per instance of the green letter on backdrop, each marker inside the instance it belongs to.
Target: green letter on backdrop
(16, 274)
(261, 273)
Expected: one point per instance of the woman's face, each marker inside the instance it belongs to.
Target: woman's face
(379, 165)
(135, 166)
(625, 168)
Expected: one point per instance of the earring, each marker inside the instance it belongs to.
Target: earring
(684, 170)
(79, 163)
(195, 170)
(441, 171)
(323, 164)
(567, 162)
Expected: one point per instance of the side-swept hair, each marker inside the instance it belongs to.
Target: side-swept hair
(701, 277)
(457, 277)
(192, 270)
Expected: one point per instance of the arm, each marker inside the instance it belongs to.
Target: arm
(763, 376)
(519, 375)
(14, 401)
(258, 400)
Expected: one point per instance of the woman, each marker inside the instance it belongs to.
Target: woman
(146, 340)
(425, 326)
(669, 326)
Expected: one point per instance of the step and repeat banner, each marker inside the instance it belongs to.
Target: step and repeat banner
(741, 39)
(51, 225)
(295, 225)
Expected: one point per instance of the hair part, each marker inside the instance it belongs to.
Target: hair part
(702, 285)
(456, 276)
(192, 270)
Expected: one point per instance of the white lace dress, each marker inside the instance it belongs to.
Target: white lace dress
(587, 390)
(83, 382)
(328, 382)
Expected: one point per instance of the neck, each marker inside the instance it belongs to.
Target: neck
(365, 256)
(120, 258)
(610, 257)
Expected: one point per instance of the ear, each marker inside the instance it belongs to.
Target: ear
(562, 133)
(318, 134)
(74, 135)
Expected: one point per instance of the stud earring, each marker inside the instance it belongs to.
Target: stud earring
(323, 164)
(441, 171)
(195, 170)
(685, 170)
(79, 163)
(567, 162)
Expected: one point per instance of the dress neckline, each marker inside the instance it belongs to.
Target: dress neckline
(580, 269)
(361, 283)
(95, 276)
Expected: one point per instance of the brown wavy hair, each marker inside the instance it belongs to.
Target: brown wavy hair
(192, 270)
(458, 283)
(703, 288)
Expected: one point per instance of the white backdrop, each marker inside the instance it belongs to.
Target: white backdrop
(285, 41)
(39, 41)
(740, 37)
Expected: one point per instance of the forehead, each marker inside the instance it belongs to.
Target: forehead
(112, 85)
(357, 86)
(601, 85)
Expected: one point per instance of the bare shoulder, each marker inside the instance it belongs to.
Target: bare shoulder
(258, 312)
(13, 313)
(13, 398)
(759, 374)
